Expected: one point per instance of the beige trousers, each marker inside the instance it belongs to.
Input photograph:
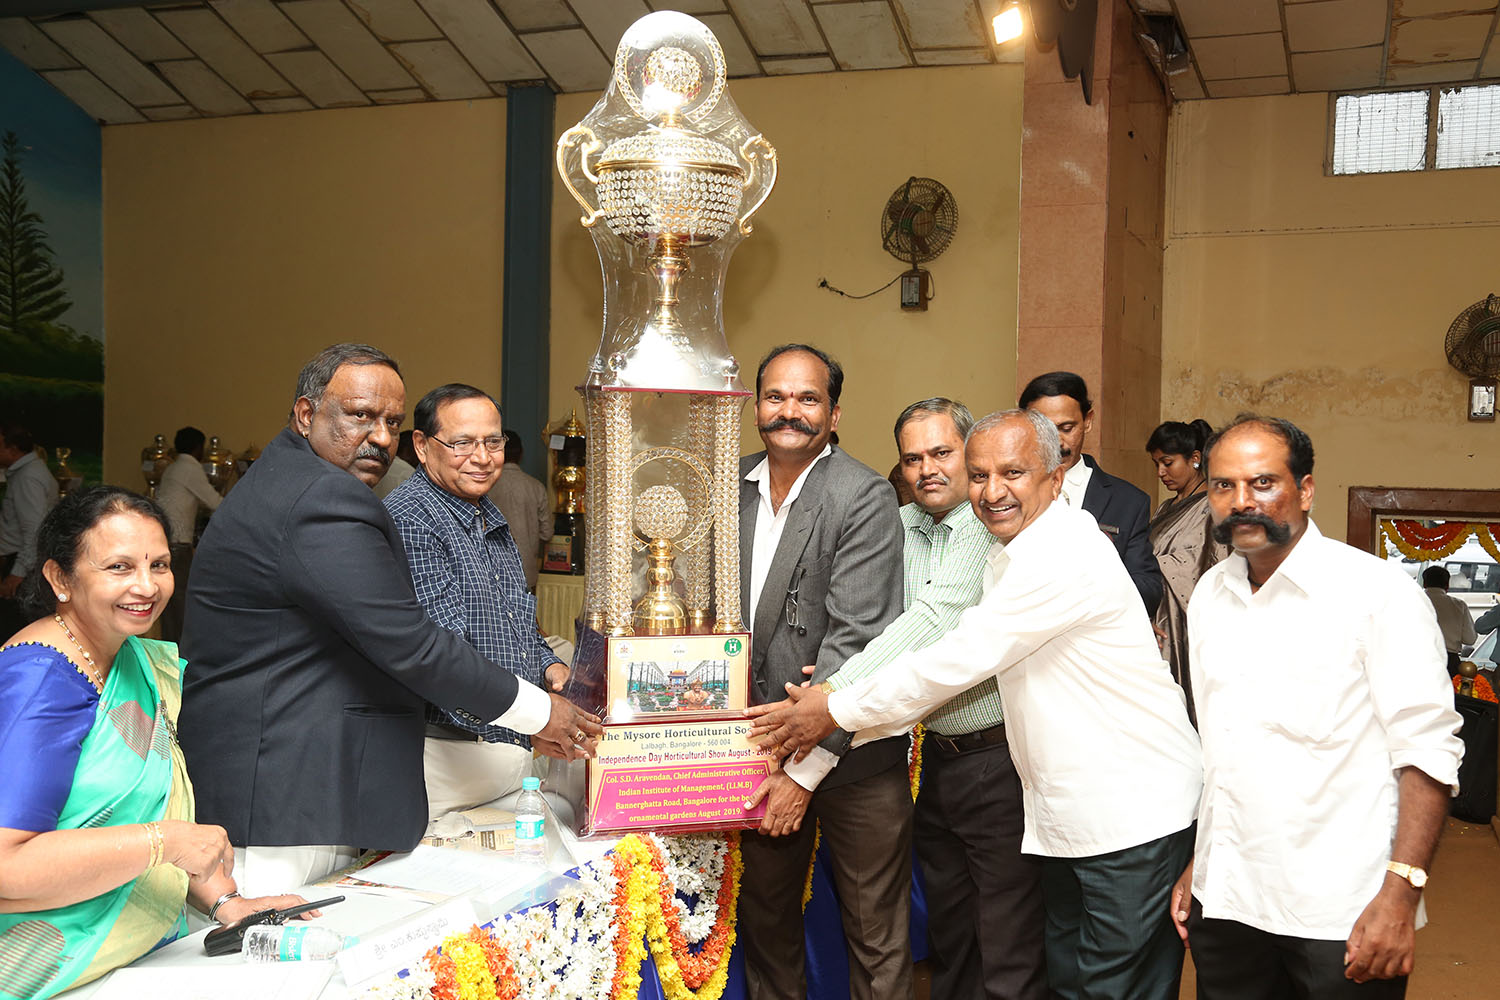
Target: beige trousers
(461, 775)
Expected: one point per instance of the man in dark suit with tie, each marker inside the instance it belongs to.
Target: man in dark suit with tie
(1121, 509)
(820, 576)
(311, 660)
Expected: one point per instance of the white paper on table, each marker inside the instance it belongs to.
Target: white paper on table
(452, 873)
(227, 981)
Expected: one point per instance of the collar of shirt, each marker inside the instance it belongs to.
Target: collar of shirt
(1300, 569)
(769, 523)
(762, 474)
(463, 511)
(1076, 482)
(27, 459)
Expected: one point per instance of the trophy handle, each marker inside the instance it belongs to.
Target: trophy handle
(575, 136)
(757, 148)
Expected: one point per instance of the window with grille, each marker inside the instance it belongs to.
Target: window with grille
(1436, 128)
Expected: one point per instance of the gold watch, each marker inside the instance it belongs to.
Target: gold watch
(1416, 876)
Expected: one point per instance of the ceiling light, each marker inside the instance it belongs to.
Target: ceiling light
(1008, 24)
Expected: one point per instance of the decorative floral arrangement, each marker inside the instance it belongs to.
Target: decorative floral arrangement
(679, 894)
(1425, 543)
(1483, 689)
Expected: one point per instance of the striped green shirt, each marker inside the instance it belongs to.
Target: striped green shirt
(944, 578)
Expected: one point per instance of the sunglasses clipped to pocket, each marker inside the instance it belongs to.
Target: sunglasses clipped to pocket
(230, 938)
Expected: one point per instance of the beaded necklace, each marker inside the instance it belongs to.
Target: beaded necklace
(92, 673)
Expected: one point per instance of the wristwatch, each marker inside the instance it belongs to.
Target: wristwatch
(1416, 876)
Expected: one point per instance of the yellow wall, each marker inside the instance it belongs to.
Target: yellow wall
(845, 142)
(236, 248)
(1324, 299)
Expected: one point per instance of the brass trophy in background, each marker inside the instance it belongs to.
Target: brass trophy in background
(564, 552)
(154, 461)
(218, 465)
(668, 173)
(67, 479)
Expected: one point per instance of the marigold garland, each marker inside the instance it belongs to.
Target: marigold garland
(914, 764)
(1482, 690)
(1486, 534)
(1428, 544)
(812, 864)
(643, 903)
(676, 966)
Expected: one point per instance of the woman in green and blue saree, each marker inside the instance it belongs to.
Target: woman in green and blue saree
(98, 848)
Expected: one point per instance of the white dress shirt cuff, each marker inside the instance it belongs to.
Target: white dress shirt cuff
(811, 771)
(1439, 765)
(529, 712)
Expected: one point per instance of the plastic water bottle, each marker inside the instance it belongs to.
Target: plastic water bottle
(531, 833)
(292, 943)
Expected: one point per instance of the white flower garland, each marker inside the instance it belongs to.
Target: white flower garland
(565, 950)
(695, 866)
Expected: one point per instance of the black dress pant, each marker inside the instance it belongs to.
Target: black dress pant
(1109, 930)
(867, 827)
(172, 614)
(1238, 962)
(984, 897)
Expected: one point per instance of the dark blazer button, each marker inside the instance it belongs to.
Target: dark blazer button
(801, 629)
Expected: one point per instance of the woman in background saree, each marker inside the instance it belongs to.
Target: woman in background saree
(98, 848)
(1180, 535)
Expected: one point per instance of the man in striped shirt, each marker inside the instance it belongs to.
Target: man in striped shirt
(985, 917)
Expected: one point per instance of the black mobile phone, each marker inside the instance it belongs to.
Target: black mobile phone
(230, 938)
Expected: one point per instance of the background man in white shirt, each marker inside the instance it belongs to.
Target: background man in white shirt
(1098, 730)
(30, 492)
(183, 490)
(522, 498)
(1453, 616)
(1329, 742)
(820, 576)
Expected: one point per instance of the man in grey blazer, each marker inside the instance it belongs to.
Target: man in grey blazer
(820, 576)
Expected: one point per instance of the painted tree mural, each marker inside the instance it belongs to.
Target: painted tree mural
(32, 293)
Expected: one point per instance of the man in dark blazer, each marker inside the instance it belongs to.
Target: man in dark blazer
(1121, 508)
(311, 660)
(820, 576)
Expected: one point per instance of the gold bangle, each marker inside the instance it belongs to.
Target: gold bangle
(157, 841)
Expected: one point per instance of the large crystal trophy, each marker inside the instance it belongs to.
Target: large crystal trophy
(668, 173)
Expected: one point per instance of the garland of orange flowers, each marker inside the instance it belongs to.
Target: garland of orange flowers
(1417, 541)
(473, 966)
(630, 902)
(812, 864)
(684, 975)
(1487, 537)
(1482, 689)
(914, 765)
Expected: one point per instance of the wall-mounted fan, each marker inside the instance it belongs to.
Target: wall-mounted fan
(1473, 347)
(918, 224)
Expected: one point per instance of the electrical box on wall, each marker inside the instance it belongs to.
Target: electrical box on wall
(916, 289)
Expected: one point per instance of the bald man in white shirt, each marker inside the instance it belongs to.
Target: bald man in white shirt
(1109, 764)
(1330, 743)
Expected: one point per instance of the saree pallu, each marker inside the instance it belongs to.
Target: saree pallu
(1185, 550)
(129, 771)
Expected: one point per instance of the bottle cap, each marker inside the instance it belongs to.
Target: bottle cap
(531, 783)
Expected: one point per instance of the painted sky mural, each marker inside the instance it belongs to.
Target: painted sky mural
(51, 267)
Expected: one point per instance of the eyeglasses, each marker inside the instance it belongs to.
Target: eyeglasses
(464, 447)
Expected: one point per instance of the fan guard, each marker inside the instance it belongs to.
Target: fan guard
(919, 220)
(1473, 341)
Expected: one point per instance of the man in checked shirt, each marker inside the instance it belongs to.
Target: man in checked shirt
(984, 897)
(468, 575)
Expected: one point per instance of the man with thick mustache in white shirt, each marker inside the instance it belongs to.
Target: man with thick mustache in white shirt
(1109, 765)
(1329, 743)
